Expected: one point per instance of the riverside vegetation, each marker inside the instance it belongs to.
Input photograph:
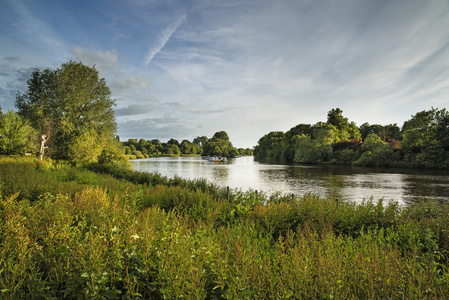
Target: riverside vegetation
(422, 142)
(105, 232)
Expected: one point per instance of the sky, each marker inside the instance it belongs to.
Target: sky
(187, 68)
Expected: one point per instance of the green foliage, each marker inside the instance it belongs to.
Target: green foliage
(71, 105)
(424, 143)
(112, 155)
(219, 145)
(16, 136)
(317, 150)
(82, 235)
(391, 131)
(269, 147)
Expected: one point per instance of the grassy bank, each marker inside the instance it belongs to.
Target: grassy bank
(98, 232)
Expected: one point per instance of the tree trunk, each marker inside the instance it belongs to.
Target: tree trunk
(40, 154)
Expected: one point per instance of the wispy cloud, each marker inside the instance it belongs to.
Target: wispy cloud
(163, 39)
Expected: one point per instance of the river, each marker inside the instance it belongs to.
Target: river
(347, 183)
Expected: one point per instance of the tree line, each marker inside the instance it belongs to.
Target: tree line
(218, 145)
(422, 141)
(68, 113)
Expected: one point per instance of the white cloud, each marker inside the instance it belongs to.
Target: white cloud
(163, 39)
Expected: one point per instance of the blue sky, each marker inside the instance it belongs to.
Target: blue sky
(182, 69)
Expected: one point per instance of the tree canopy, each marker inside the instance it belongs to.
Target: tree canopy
(73, 107)
(220, 145)
(423, 141)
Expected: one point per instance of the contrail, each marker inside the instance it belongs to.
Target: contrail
(163, 39)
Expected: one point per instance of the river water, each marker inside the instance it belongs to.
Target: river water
(406, 186)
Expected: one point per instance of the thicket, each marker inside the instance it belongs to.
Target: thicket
(71, 233)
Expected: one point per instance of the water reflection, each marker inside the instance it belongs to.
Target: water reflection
(342, 182)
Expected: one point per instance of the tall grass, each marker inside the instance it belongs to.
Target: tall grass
(69, 233)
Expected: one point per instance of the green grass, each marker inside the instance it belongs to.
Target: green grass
(99, 232)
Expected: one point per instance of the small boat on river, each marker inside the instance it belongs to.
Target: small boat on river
(218, 159)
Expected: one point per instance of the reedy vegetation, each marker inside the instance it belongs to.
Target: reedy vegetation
(108, 233)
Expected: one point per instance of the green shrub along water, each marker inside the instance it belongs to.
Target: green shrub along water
(98, 232)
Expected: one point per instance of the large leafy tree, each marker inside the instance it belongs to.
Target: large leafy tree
(72, 106)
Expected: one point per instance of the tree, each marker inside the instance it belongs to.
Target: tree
(335, 117)
(391, 131)
(289, 140)
(173, 142)
(173, 150)
(219, 145)
(15, 134)
(200, 141)
(221, 135)
(269, 147)
(187, 147)
(66, 104)
(316, 150)
(425, 139)
(345, 130)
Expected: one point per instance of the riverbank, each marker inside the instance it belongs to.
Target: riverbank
(104, 232)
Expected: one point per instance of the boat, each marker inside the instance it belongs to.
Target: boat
(218, 159)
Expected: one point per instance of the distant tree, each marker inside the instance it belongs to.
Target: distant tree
(288, 143)
(173, 142)
(373, 142)
(391, 131)
(67, 104)
(221, 135)
(15, 134)
(269, 147)
(335, 117)
(142, 144)
(173, 150)
(200, 141)
(425, 139)
(316, 150)
(377, 152)
(345, 130)
(132, 142)
(220, 145)
(187, 147)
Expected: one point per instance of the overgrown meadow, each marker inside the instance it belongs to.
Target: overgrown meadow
(98, 232)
